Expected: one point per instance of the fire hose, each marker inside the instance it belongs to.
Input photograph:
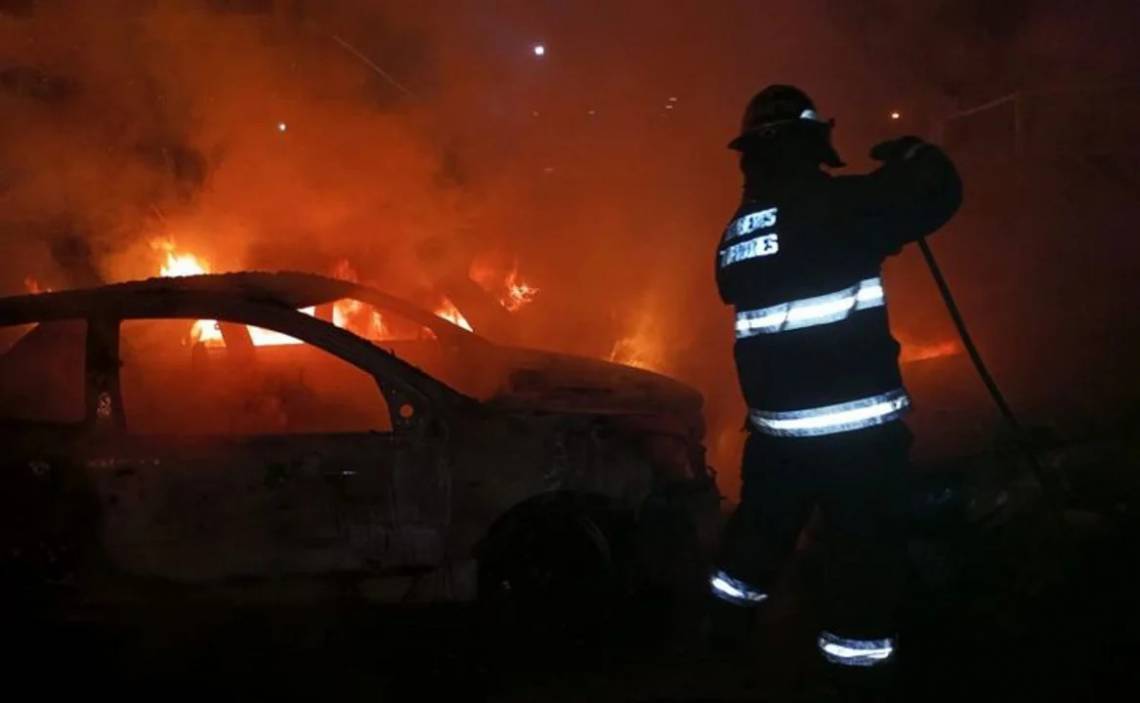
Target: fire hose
(1051, 488)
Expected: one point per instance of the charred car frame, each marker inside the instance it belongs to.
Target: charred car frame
(247, 469)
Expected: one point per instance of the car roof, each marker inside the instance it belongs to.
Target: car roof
(289, 289)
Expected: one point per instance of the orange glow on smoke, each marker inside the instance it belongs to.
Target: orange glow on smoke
(646, 342)
(638, 351)
(922, 352)
(644, 349)
(33, 286)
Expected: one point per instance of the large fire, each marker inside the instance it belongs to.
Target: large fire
(349, 314)
(208, 332)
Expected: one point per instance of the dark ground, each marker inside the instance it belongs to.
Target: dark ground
(1010, 609)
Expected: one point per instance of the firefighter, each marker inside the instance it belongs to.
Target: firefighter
(800, 264)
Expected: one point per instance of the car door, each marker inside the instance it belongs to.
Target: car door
(47, 513)
(260, 455)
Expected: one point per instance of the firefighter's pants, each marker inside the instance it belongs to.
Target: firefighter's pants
(858, 481)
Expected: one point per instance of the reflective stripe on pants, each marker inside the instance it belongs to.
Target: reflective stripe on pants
(846, 651)
(734, 590)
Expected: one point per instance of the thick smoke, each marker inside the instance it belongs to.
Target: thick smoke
(244, 131)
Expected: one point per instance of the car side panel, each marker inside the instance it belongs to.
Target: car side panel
(211, 509)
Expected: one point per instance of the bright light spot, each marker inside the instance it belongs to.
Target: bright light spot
(539, 50)
(281, 126)
(895, 115)
(669, 106)
(272, 338)
(673, 100)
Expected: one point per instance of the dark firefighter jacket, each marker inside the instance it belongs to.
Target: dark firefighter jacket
(800, 262)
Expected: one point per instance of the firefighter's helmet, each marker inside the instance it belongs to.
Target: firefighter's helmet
(782, 109)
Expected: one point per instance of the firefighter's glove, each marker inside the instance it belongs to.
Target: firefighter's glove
(899, 149)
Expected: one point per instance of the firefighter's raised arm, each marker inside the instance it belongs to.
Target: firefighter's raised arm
(915, 191)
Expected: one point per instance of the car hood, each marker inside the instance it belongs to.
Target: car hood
(541, 380)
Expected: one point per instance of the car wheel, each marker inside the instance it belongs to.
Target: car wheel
(557, 567)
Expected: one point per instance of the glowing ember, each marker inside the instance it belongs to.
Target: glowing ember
(895, 115)
(449, 312)
(539, 50)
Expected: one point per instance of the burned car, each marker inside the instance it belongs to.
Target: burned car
(261, 432)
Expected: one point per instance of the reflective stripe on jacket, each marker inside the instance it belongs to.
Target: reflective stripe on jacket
(800, 262)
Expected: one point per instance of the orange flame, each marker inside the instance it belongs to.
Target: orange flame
(349, 314)
(359, 319)
(646, 344)
(449, 312)
(353, 315)
(185, 264)
(512, 292)
(208, 332)
(636, 351)
(519, 292)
